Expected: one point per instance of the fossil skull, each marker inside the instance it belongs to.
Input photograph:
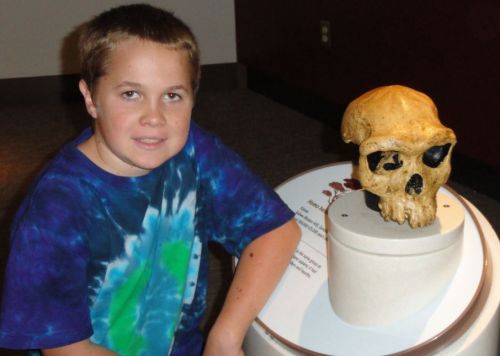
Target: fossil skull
(404, 151)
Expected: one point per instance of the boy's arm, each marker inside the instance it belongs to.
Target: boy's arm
(80, 348)
(260, 268)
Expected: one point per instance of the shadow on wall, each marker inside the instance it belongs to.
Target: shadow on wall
(68, 54)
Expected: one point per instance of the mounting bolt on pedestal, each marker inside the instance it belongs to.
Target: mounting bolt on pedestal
(325, 33)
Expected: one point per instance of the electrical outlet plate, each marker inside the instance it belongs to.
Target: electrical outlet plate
(325, 33)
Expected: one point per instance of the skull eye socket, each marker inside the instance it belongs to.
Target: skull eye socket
(389, 160)
(374, 159)
(435, 155)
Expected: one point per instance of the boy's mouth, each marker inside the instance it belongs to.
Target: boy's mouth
(149, 142)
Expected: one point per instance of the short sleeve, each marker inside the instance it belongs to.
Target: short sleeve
(44, 302)
(236, 205)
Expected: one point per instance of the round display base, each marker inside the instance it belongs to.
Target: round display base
(299, 319)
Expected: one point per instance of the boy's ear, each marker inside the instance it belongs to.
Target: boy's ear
(87, 96)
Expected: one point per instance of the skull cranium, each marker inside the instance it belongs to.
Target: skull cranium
(404, 151)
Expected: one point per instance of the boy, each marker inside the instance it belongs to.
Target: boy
(109, 249)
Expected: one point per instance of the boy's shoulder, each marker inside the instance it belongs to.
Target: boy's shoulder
(59, 181)
(65, 165)
(205, 144)
(198, 134)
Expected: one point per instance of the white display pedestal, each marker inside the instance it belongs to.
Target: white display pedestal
(299, 319)
(382, 272)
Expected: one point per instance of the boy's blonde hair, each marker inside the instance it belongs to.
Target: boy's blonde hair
(100, 36)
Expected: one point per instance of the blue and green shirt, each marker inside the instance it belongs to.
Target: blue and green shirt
(123, 260)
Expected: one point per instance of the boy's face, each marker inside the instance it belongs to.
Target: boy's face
(141, 106)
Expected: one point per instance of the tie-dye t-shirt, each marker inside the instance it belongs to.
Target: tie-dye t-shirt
(123, 260)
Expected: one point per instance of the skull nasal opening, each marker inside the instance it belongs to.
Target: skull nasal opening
(415, 184)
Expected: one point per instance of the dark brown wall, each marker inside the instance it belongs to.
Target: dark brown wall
(447, 49)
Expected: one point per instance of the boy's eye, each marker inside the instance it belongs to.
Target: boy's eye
(130, 94)
(173, 97)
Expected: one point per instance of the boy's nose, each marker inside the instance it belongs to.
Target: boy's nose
(153, 115)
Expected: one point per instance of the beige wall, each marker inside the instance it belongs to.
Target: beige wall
(36, 34)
